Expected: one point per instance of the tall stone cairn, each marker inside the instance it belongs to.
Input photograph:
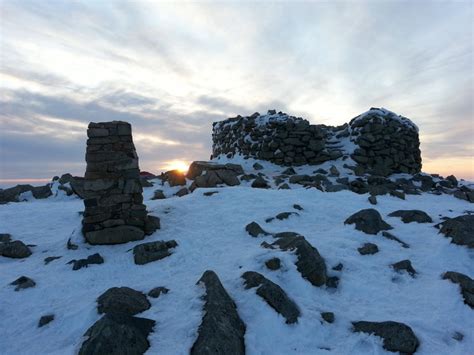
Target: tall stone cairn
(114, 210)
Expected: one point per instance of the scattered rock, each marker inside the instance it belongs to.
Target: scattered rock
(273, 263)
(281, 216)
(310, 263)
(152, 224)
(289, 171)
(333, 171)
(404, 265)
(273, 295)
(373, 200)
(466, 284)
(390, 236)
(157, 291)
(397, 194)
(368, 221)
(51, 258)
(122, 300)
(332, 282)
(208, 174)
(22, 283)
(458, 336)
(116, 334)
(152, 251)
(257, 166)
(71, 246)
(174, 178)
(115, 235)
(284, 186)
(368, 249)
(255, 230)
(158, 195)
(5, 237)
(16, 249)
(210, 193)
(460, 229)
(298, 207)
(182, 192)
(328, 316)
(221, 330)
(338, 267)
(91, 259)
(260, 183)
(408, 216)
(45, 320)
(396, 336)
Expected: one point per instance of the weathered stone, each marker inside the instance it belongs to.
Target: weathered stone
(273, 263)
(408, 216)
(91, 259)
(45, 320)
(221, 330)
(404, 265)
(281, 216)
(460, 229)
(396, 336)
(117, 334)
(260, 183)
(152, 251)
(390, 236)
(5, 237)
(182, 192)
(273, 294)
(466, 284)
(23, 282)
(158, 195)
(328, 316)
(157, 291)
(368, 221)
(16, 249)
(122, 300)
(368, 249)
(115, 235)
(48, 259)
(255, 230)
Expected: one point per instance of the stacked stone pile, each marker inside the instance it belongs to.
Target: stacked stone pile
(277, 137)
(386, 142)
(114, 210)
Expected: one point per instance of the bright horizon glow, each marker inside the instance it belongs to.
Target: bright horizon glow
(179, 165)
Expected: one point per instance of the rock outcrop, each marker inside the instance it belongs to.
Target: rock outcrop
(114, 210)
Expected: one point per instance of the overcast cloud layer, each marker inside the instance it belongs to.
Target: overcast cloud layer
(173, 69)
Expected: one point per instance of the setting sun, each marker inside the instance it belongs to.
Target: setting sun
(180, 165)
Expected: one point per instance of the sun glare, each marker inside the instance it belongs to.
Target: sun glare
(180, 165)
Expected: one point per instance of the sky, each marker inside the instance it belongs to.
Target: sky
(173, 68)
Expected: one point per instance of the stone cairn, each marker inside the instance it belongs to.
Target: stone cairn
(114, 210)
(383, 142)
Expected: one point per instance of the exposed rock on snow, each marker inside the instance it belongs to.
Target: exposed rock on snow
(255, 230)
(273, 294)
(117, 334)
(260, 183)
(16, 249)
(460, 229)
(396, 336)
(310, 263)
(404, 265)
(368, 249)
(390, 236)
(182, 192)
(158, 195)
(157, 291)
(281, 216)
(409, 216)
(273, 263)
(368, 221)
(45, 320)
(207, 174)
(221, 331)
(122, 300)
(48, 259)
(152, 251)
(174, 178)
(115, 235)
(328, 316)
(22, 283)
(466, 284)
(5, 237)
(91, 259)
(13, 194)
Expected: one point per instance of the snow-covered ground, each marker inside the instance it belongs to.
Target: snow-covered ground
(210, 232)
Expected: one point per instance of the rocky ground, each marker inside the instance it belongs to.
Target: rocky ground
(310, 260)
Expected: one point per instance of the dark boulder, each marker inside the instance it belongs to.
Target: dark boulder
(404, 265)
(409, 216)
(5, 237)
(16, 249)
(23, 282)
(152, 251)
(466, 284)
(221, 330)
(198, 167)
(255, 230)
(115, 235)
(260, 183)
(460, 229)
(368, 249)
(157, 291)
(152, 224)
(158, 195)
(257, 166)
(390, 236)
(174, 178)
(182, 192)
(48, 259)
(281, 216)
(273, 263)
(91, 259)
(368, 221)
(45, 320)
(328, 316)
(118, 334)
(273, 294)
(396, 336)
(122, 300)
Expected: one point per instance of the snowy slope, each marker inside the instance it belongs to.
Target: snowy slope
(210, 231)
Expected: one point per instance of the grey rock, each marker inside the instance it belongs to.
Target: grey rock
(260, 183)
(281, 216)
(396, 336)
(289, 171)
(255, 230)
(460, 229)
(332, 282)
(122, 300)
(118, 334)
(333, 171)
(404, 265)
(465, 283)
(328, 316)
(221, 330)
(5, 237)
(310, 263)
(45, 320)
(23, 282)
(398, 194)
(182, 192)
(157, 291)
(210, 193)
(273, 294)
(174, 178)
(16, 249)
(368, 221)
(338, 267)
(408, 216)
(372, 200)
(284, 186)
(273, 263)
(91, 259)
(115, 235)
(368, 249)
(198, 167)
(152, 224)
(158, 195)
(257, 166)
(71, 246)
(390, 236)
(51, 258)
(152, 251)
(298, 207)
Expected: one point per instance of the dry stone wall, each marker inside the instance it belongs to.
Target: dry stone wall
(114, 210)
(379, 141)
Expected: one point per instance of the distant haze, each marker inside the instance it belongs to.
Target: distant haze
(171, 69)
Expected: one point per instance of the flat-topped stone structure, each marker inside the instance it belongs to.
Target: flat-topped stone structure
(114, 210)
(379, 141)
